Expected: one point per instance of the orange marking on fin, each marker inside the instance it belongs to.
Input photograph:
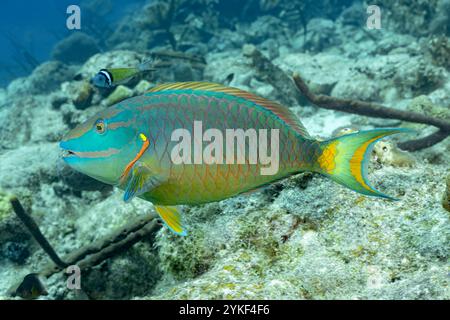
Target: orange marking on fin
(327, 158)
(356, 160)
(140, 153)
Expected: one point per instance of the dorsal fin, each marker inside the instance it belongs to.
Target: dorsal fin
(281, 111)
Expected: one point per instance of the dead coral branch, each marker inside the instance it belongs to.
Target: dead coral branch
(86, 257)
(33, 228)
(299, 90)
(379, 111)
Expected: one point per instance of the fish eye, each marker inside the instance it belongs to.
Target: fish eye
(100, 126)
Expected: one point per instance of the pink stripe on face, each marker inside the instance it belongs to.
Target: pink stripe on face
(120, 124)
(96, 154)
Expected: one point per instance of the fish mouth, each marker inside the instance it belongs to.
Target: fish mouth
(68, 154)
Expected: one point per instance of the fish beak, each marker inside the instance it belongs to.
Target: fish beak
(66, 152)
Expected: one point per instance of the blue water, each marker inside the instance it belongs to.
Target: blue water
(31, 28)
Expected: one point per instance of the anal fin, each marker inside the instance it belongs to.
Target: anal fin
(172, 218)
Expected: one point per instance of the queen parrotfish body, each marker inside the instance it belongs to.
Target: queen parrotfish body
(176, 145)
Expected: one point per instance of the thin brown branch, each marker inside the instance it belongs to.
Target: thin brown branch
(369, 109)
(118, 241)
(379, 111)
(425, 142)
(296, 93)
(33, 228)
(86, 257)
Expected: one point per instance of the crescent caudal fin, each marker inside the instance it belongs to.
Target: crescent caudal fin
(345, 159)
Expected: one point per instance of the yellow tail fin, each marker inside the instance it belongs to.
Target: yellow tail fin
(345, 159)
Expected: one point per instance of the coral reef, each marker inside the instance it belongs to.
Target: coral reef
(75, 49)
(120, 93)
(83, 98)
(439, 49)
(304, 237)
(410, 16)
(45, 78)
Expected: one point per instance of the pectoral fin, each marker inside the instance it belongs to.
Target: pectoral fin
(172, 218)
(140, 180)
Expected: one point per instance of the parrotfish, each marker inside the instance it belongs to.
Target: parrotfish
(167, 147)
(108, 78)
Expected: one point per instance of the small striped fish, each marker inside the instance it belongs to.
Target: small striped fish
(131, 145)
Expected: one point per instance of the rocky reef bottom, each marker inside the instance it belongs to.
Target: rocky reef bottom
(303, 238)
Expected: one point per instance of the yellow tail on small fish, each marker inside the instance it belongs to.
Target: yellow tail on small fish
(345, 159)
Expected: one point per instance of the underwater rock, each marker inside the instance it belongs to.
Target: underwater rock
(183, 72)
(16, 252)
(83, 97)
(131, 274)
(29, 166)
(387, 153)
(75, 49)
(34, 115)
(305, 237)
(439, 49)
(409, 16)
(420, 285)
(266, 27)
(222, 65)
(225, 41)
(80, 94)
(423, 104)
(321, 35)
(120, 93)
(116, 214)
(143, 29)
(446, 196)
(388, 78)
(321, 71)
(393, 43)
(45, 78)
(153, 15)
(418, 76)
(72, 116)
(142, 87)
(58, 100)
(11, 229)
(360, 87)
(187, 258)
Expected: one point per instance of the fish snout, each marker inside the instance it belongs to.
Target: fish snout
(66, 151)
